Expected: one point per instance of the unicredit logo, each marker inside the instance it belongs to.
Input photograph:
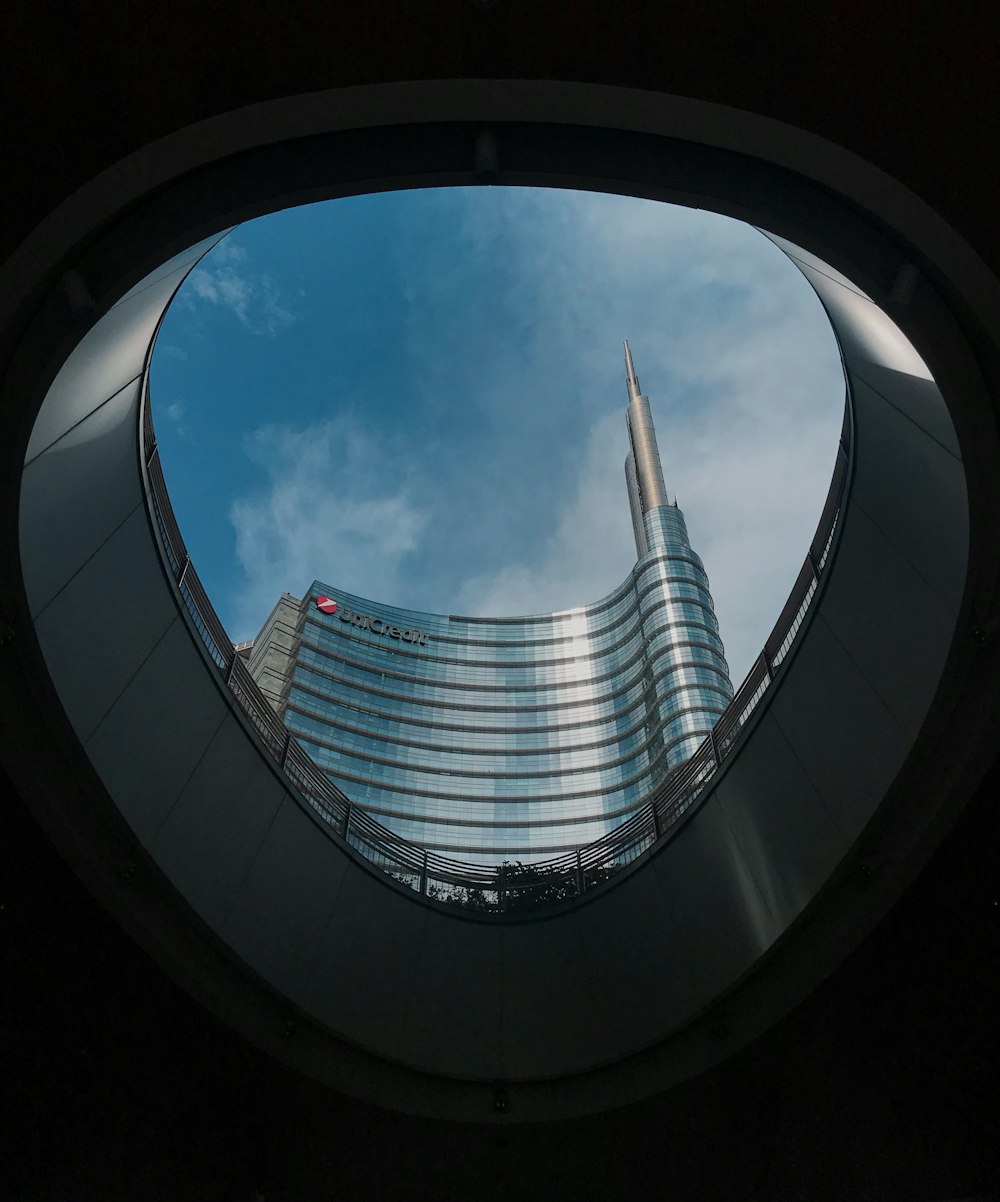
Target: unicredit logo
(378, 626)
(367, 622)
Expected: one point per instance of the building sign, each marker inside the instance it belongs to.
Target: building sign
(367, 622)
(378, 626)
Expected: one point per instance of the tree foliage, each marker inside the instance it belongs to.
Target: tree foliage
(519, 889)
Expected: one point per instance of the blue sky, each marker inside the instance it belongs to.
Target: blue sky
(420, 397)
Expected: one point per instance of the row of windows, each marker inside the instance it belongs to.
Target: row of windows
(337, 722)
(664, 527)
(431, 727)
(682, 643)
(658, 577)
(665, 631)
(673, 562)
(481, 813)
(582, 626)
(587, 649)
(653, 682)
(433, 780)
(485, 812)
(333, 691)
(700, 665)
(678, 671)
(377, 744)
(515, 653)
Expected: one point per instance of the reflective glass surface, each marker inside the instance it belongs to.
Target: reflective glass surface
(512, 737)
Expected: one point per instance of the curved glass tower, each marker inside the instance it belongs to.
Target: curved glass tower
(510, 738)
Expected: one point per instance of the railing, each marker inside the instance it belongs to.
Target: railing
(510, 888)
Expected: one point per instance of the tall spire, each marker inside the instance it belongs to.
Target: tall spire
(630, 376)
(645, 475)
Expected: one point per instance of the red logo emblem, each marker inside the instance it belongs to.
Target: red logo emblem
(326, 604)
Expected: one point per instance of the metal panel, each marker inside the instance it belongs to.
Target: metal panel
(76, 493)
(213, 832)
(283, 906)
(723, 921)
(784, 832)
(110, 355)
(363, 970)
(898, 631)
(640, 976)
(914, 491)
(839, 729)
(98, 631)
(646, 454)
(918, 399)
(866, 334)
(464, 963)
(804, 258)
(550, 1017)
(152, 740)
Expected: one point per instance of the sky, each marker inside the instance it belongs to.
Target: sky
(419, 397)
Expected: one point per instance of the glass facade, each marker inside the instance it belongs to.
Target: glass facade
(506, 738)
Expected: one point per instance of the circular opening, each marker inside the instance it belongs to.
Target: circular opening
(421, 396)
(726, 923)
(416, 402)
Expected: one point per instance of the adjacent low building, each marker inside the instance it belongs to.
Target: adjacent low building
(510, 738)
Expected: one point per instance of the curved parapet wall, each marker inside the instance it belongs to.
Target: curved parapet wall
(221, 822)
(598, 1004)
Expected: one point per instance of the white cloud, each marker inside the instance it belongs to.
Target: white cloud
(589, 541)
(730, 344)
(323, 513)
(173, 413)
(744, 380)
(253, 298)
(228, 252)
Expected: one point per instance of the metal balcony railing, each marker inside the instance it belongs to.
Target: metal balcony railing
(510, 888)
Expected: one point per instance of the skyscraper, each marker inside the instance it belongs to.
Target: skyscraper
(510, 737)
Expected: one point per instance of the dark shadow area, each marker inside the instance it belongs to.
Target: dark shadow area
(884, 1084)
